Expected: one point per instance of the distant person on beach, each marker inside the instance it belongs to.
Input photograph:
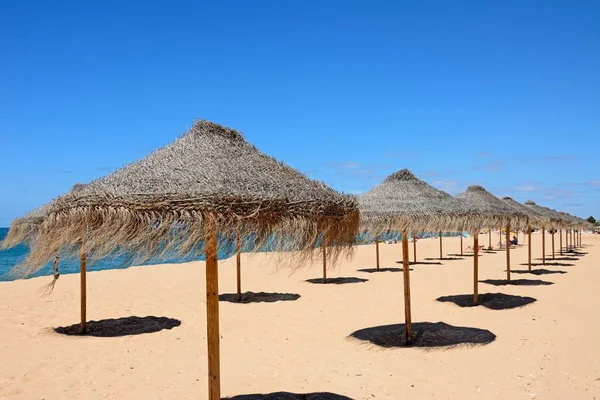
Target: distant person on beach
(514, 241)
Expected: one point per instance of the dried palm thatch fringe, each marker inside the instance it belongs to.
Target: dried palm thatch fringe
(534, 219)
(160, 205)
(402, 201)
(492, 211)
(23, 230)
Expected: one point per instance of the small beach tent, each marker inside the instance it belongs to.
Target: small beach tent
(191, 196)
(402, 203)
(493, 213)
(533, 218)
(551, 220)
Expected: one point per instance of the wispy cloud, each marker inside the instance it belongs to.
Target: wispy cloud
(492, 166)
(484, 155)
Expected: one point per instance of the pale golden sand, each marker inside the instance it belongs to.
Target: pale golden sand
(549, 349)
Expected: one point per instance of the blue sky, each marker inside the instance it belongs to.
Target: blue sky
(505, 94)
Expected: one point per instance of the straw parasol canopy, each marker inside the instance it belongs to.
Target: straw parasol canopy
(534, 218)
(402, 201)
(492, 211)
(208, 186)
(161, 203)
(551, 218)
(25, 229)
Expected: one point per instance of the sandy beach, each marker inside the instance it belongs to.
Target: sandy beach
(549, 349)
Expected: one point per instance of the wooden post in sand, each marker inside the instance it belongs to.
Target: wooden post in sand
(377, 249)
(560, 241)
(83, 276)
(238, 263)
(324, 251)
(414, 247)
(529, 246)
(461, 243)
(489, 238)
(553, 243)
(212, 312)
(476, 268)
(543, 245)
(441, 245)
(508, 252)
(406, 273)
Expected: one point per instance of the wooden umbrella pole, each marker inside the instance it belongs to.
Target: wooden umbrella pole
(324, 250)
(406, 273)
(553, 243)
(508, 252)
(377, 249)
(543, 245)
(489, 238)
(212, 312)
(529, 246)
(560, 244)
(570, 239)
(414, 248)
(461, 244)
(83, 276)
(476, 269)
(238, 262)
(441, 245)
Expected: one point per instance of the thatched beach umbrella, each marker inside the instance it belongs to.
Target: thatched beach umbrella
(190, 196)
(533, 219)
(551, 218)
(403, 203)
(494, 213)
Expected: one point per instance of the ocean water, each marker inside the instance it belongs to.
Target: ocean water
(11, 257)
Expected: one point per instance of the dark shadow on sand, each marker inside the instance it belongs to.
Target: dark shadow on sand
(493, 301)
(289, 396)
(537, 271)
(550, 263)
(261, 297)
(465, 255)
(560, 259)
(421, 263)
(425, 335)
(445, 258)
(372, 270)
(337, 281)
(517, 282)
(125, 326)
(489, 251)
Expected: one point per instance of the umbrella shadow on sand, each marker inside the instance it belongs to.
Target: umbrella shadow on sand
(373, 270)
(445, 258)
(125, 326)
(337, 281)
(550, 263)
(422, 263)
(493, 301)
(425, 335)
(261, 297)
(465, 255)
(561, 259)
(289, 396)
(537, 271)
(517, 282)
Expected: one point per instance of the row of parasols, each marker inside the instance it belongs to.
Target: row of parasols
(211, 188)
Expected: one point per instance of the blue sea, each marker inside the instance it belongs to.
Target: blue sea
(11, 257)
